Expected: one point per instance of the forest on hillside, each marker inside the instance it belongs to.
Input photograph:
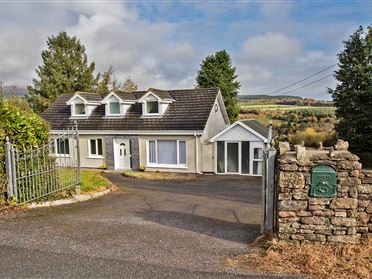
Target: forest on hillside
(296, 120)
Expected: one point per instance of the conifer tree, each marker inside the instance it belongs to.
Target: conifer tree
(353, 93)
(65, 69)
(129, 85)
(104, 81)
(217, 71)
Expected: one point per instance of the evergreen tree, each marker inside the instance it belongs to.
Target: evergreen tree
(129, 85)
(353, 93)
(104, 81)
(65, 69)
(217, 71)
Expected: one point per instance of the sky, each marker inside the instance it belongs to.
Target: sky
(162, 43)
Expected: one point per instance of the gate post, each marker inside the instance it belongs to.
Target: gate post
(268, 191)
(77, 158)
(9, 168)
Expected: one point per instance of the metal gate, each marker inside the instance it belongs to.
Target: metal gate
(36, 173)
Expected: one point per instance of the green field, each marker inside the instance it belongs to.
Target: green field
(285, 107)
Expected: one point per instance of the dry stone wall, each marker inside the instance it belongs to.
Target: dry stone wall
(345, 217)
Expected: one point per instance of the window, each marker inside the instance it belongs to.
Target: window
(245, 157)
(79, 109)
(257, 161)
(220, 156)
(152, 107)
(167, 152)
(114, 107)
(232, 157)
(95, 147)
(63, 147)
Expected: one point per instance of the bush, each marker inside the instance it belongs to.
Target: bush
(330, 139)
(24, 128)
(141, 168)
(309, 137)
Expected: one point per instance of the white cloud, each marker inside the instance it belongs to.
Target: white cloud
(271, 61)
(275, 9)
(112, 33)
(138, 48)
(271, 48)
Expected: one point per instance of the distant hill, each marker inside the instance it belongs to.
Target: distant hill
(266, 97)
(18, 91)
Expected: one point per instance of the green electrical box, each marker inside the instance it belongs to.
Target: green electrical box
(323, 182)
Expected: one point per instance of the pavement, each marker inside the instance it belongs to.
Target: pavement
(146, 229)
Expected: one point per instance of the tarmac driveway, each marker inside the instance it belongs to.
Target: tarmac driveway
(146, 229)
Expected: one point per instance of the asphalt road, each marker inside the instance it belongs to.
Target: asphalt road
(144, 230)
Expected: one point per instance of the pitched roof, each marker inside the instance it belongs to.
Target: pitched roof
(125, 96)
(162, 94)
(90, 97)
(189, 111)
(258, 127)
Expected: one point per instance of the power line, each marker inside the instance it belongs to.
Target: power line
(306, 85)
(317, 73)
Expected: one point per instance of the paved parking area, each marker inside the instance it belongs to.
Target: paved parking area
(146, 229)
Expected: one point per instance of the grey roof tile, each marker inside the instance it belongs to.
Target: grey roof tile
(258, 127)
(90, 97)
(189, 111)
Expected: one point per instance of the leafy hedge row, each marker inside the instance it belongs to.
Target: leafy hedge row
(24, 128)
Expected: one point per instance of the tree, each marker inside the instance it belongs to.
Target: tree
(129, 85)
(103, 81)
(65, 69)
(353, 93)
(1, 91)
(217, 71)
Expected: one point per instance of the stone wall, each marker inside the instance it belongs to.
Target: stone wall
(346, 217)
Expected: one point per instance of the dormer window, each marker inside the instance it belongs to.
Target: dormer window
(152, 107)
(114, 106)
(83, 104)
(79, 109)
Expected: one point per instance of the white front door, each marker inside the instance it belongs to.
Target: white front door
(122, 154)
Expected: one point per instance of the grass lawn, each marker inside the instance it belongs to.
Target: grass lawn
(93, 181)
(153, 175)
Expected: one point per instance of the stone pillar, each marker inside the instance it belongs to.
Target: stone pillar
(346, 217)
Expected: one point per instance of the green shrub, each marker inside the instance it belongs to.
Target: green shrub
(24, 128)
(330, 139)
(309, 137)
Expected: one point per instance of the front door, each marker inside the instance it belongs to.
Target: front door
(122, 154)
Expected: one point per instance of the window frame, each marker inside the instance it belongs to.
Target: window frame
(74, 109)
(109, 109)
(258, 160)
(152, 113)
(108, 106)
(90, 154)
(160, 165)
(66, 155)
